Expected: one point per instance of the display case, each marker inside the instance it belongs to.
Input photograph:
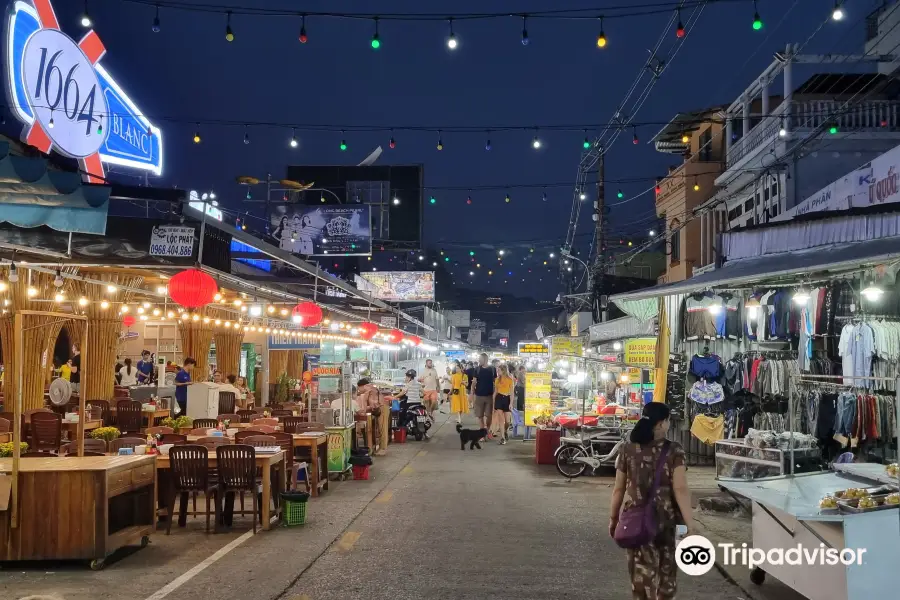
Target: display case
(736, 460)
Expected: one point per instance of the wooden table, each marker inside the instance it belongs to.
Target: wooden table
(73, 508)
(151, 415)
(317, 442)
(264, 462)
(5, 437)
(71, 427)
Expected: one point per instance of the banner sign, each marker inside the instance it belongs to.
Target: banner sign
(640, 352)
(172, 240)
(561, 344)
(537, 395)
(399, 286)
(534, 350)
(455, 354)
(67, 101)
(320, 230)
(326, 371)
(387, 321)
(287, 342)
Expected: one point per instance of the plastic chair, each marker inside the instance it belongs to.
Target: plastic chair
(189, 469)
(237, 473)
(46, 432)
(286, 442)
(129, 416)
(226, 402)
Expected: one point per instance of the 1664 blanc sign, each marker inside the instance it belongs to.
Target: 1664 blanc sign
(172, 240)
(67, 102)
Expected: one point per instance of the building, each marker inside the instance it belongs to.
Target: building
(780, 150)
(688, 186)
(883, 35)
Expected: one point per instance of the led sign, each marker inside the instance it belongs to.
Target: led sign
(67, 101)
(533, 349)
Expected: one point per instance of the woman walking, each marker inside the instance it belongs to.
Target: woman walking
(459, 400)
(647, 458)
(503, 389)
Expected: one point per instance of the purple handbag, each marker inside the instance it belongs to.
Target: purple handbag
(637, 525)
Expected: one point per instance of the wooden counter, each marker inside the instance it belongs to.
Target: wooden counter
(79, 508)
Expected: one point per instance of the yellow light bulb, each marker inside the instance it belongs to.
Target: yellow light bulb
(104, 304)
(83, 301)
(32, 292)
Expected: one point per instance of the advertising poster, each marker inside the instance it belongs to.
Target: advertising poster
(398, 286)
(537, 395)
(640, 352)
(321, 230)
(533, 350)
(172, 240)
(562, 345)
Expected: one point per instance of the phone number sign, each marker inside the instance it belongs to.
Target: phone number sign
(169, 240)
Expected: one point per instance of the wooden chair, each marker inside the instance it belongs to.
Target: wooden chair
(226, 402)
(46, 432)
(155, 430)
(121, 392)
(173, 438)
(212, 442)
(5, 425)
(265, 428)
(247, 415)
(265, 421)
(240, 436)
(259, 441)
(237, 473)
(129, 416)
(200, 430)
(189, 470)
(281, 413)
(205, 423)
(105, 413)
(229, 416)
(90, 444)
(286, 442)
(291, 424)
(36, 454)
(125, 442)
(87, 453)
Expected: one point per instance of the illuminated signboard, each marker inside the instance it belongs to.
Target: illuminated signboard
(398, 286)
(67, 101)
(640, 352)
(533, 349)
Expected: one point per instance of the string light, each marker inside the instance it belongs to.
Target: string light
(376, 43)
(432, 200)
(506, 199)
(392, 143)
(197, 139)
(582, 195)
(293, 141)
(757, 22)
(451, 40)
(155, 28)
(246, 136)
(587, 143)
(535, 143)
(781, 130)
(303, 37)
(229, 34)
(85, 18)
(833, 129)
(524, 30)
(696, 185)
(838, 13)
(685, 138)
(487, 144)
(601, 39)
(634, 137)
(679, 29)
(619, 194)
(440, 144)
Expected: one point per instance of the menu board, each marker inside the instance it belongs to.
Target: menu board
(537, 395)
(562, 345)
(534, 350)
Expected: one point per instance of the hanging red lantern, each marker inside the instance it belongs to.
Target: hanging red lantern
(367, 330)
(394, 336)
(414, 340)
(307, 314)
(128, 320)
(193, 288)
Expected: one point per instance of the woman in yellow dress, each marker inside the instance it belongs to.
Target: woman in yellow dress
(503, 390)
(459, 400)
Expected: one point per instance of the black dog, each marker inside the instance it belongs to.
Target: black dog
(470, 436)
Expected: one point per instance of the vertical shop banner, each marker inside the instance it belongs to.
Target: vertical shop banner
(562, 345)
(320, 230)
(537, 395)
(641, 352)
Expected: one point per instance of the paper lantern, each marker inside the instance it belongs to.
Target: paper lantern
(192, 288)
(128, 320)
(307, 314)
(414, 340)
(307, 376)
(367, 330)
(394, 336)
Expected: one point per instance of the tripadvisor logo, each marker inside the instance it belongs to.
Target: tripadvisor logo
(695, 555)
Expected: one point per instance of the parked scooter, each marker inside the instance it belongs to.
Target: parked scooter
(414, 419)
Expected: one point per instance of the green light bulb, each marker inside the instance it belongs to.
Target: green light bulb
(433, 201)
(471, 253)
(832, 130)
(376, 43)
(757, 22)
(343, 145)
(586, 144)
(619, 194)
(446, 259)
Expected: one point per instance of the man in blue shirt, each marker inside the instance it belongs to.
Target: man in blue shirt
(145, 368)
(182, 380)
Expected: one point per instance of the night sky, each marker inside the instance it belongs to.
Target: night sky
(188, 72)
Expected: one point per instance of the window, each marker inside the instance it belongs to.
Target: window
(735, 212)
(766, 194)
(675, 241)
(774, 188)
(749, 222)
(706, 145)
(748, 205)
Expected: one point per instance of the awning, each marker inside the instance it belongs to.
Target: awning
(622, 328)
(832, 259)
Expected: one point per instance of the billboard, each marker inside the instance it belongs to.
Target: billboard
(67, 101)
(321, 230)
(640, 352)
(533, 350)
(398, 286)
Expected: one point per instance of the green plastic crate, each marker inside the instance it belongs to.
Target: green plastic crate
(294, 513)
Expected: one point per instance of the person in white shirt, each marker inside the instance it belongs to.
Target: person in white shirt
(431, 383)
(128, 374)
(230, 387)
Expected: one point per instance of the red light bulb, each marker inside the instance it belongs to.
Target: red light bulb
(303, 38)
(469, 200)
(634, 140)
(679, 31)
(392, 143)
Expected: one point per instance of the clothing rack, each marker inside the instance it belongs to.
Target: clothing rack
(829, 380)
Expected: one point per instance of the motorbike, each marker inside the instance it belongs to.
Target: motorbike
(596, 447)
(414, 419)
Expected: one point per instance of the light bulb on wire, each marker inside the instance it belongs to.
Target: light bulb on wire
(838, 13)
(507, 199)
(619, 194)
(440, 143)
(679, 29)
(536, 143)
(757, 22)
(524, 30)
(587, 142)
(451, 40)
(782, 132)
(634, 136)
(392, 143)
(85, 18)
(376, 43)
(155, 28)
(303, 38)
(197, 138)
(293, 141)
(601, 39)
(229, 33)
(343, 142)
(487, 144)
(246, 136)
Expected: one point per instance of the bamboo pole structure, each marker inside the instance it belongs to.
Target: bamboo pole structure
(278, 361)
(196, 332)
(295, 364)
(228, 344)
(101, 346)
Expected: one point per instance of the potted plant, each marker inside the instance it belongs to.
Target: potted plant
(282, 389)
(6, 449)
(107, 434)
(169, 422)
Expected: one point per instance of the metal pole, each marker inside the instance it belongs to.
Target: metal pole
(202, 235)
(600, 252)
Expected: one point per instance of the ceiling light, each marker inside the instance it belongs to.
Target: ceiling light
(872, 292)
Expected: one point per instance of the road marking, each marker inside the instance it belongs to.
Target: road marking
(384, 497)
(300, 597)
(406, 470)
(345, 544)
(423, 452)
(184, 578)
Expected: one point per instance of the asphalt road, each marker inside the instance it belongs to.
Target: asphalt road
(434, 522)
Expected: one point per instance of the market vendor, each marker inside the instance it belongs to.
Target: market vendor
(369, 396)
(182, 381)
(144, 368)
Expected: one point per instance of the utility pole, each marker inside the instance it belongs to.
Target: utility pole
(599, 266)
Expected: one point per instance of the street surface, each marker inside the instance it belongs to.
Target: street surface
(433, 523)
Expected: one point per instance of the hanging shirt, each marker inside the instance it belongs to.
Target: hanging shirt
(857, 347)
(733, 308)
(716, 308)
(706, 367)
